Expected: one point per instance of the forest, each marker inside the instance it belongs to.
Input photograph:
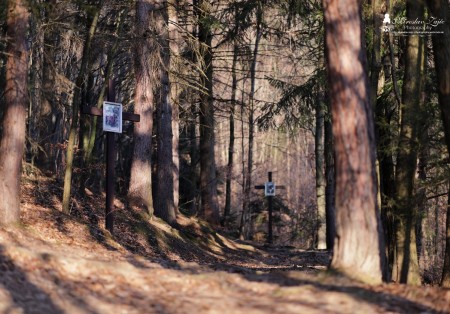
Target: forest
(286, 148)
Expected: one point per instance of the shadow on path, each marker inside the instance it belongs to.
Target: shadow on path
(25, 294)
(388, 302)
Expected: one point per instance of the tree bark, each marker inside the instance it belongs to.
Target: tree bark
(208, 179)
(76, 102)
(445, 278)
(230, 164)
(440, 10)
(175, 89)
(251, 124)
(358, 250)
(375, 70)
(320, 177)
(330, 184)
(384, 125)
(164, 202)
(36, 64)
(145, 58)
(15, 114)
(406, 263)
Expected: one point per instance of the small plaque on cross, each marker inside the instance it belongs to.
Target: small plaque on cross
(112, 117)
(269, 189)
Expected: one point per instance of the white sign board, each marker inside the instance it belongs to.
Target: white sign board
(269, 189)
(112, 117)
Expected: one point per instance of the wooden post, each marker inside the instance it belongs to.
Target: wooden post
(111, 153)
(270, 203)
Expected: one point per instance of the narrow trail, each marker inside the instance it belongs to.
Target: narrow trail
(54, 263)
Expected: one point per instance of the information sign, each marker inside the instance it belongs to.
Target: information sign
(269, 189)
(112, 117)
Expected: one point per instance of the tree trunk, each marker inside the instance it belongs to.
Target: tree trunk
(251, 123)
(243, 220)
(164, 201)
(384, 125)
(175, 89)
(375, 66)
(208, 179)
(146, 50)
(440, 10)
(230, 164)
(406, 263)
(15, 114)
(358, 250)
(320, 177)
(193, 191)
(36, 64)
(192, 195)
(76, 102)
(330, 184)
(375, 70)
(445, 279)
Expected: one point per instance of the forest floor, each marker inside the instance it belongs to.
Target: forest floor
(57, 263)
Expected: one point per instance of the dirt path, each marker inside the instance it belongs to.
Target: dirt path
(54, 263)
(40, 278)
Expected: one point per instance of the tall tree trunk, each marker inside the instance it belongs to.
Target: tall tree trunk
(164, 202)
(175, 89)
(243, 220)
(330, 183)
(320, 177)
(192, 196)
(375, 70)
(251, 123)
(36, 65)
(230, 164)
(146, 56)
(76, 102)
(406, 264)
(358, 248)
(375, 66)
(15, 113)
(383, 126)
(208, 179)
(440, 10)
(445, 279)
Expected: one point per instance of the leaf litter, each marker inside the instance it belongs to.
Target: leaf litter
(57, 263)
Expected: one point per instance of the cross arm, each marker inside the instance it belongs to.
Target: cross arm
(262, 187)
(94, 111)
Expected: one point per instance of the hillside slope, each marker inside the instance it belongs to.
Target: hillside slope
(56, 263)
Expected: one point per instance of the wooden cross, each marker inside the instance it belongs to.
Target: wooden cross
(111, 152)
(269, 190)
